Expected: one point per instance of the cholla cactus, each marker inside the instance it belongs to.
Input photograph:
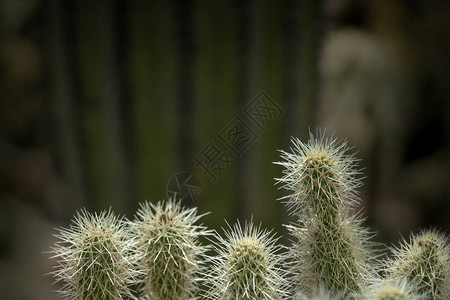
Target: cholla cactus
(246, 267)
(321, 177)
(170, 251)
(395, 290)
(336, 257)
(95, 255)
(331, 249)
(425, 260)
(319, 294)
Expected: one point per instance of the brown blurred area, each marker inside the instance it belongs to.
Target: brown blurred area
(102, 102)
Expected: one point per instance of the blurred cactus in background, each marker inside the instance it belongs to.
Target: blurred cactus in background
(331, 249)
(95, 257)
(247, 266)
(394, 290)
(169, 249)
(318, 294)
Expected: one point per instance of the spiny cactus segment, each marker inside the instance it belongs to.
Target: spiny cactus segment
(425, 260)
(247, 266)
(320, 176)
(169, 249)
(336, 258)
(331, 249)
(95, 257)
(395, 290)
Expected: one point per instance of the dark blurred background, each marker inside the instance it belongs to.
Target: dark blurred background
(104, 103)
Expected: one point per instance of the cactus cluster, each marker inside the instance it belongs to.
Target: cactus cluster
(161, 255)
